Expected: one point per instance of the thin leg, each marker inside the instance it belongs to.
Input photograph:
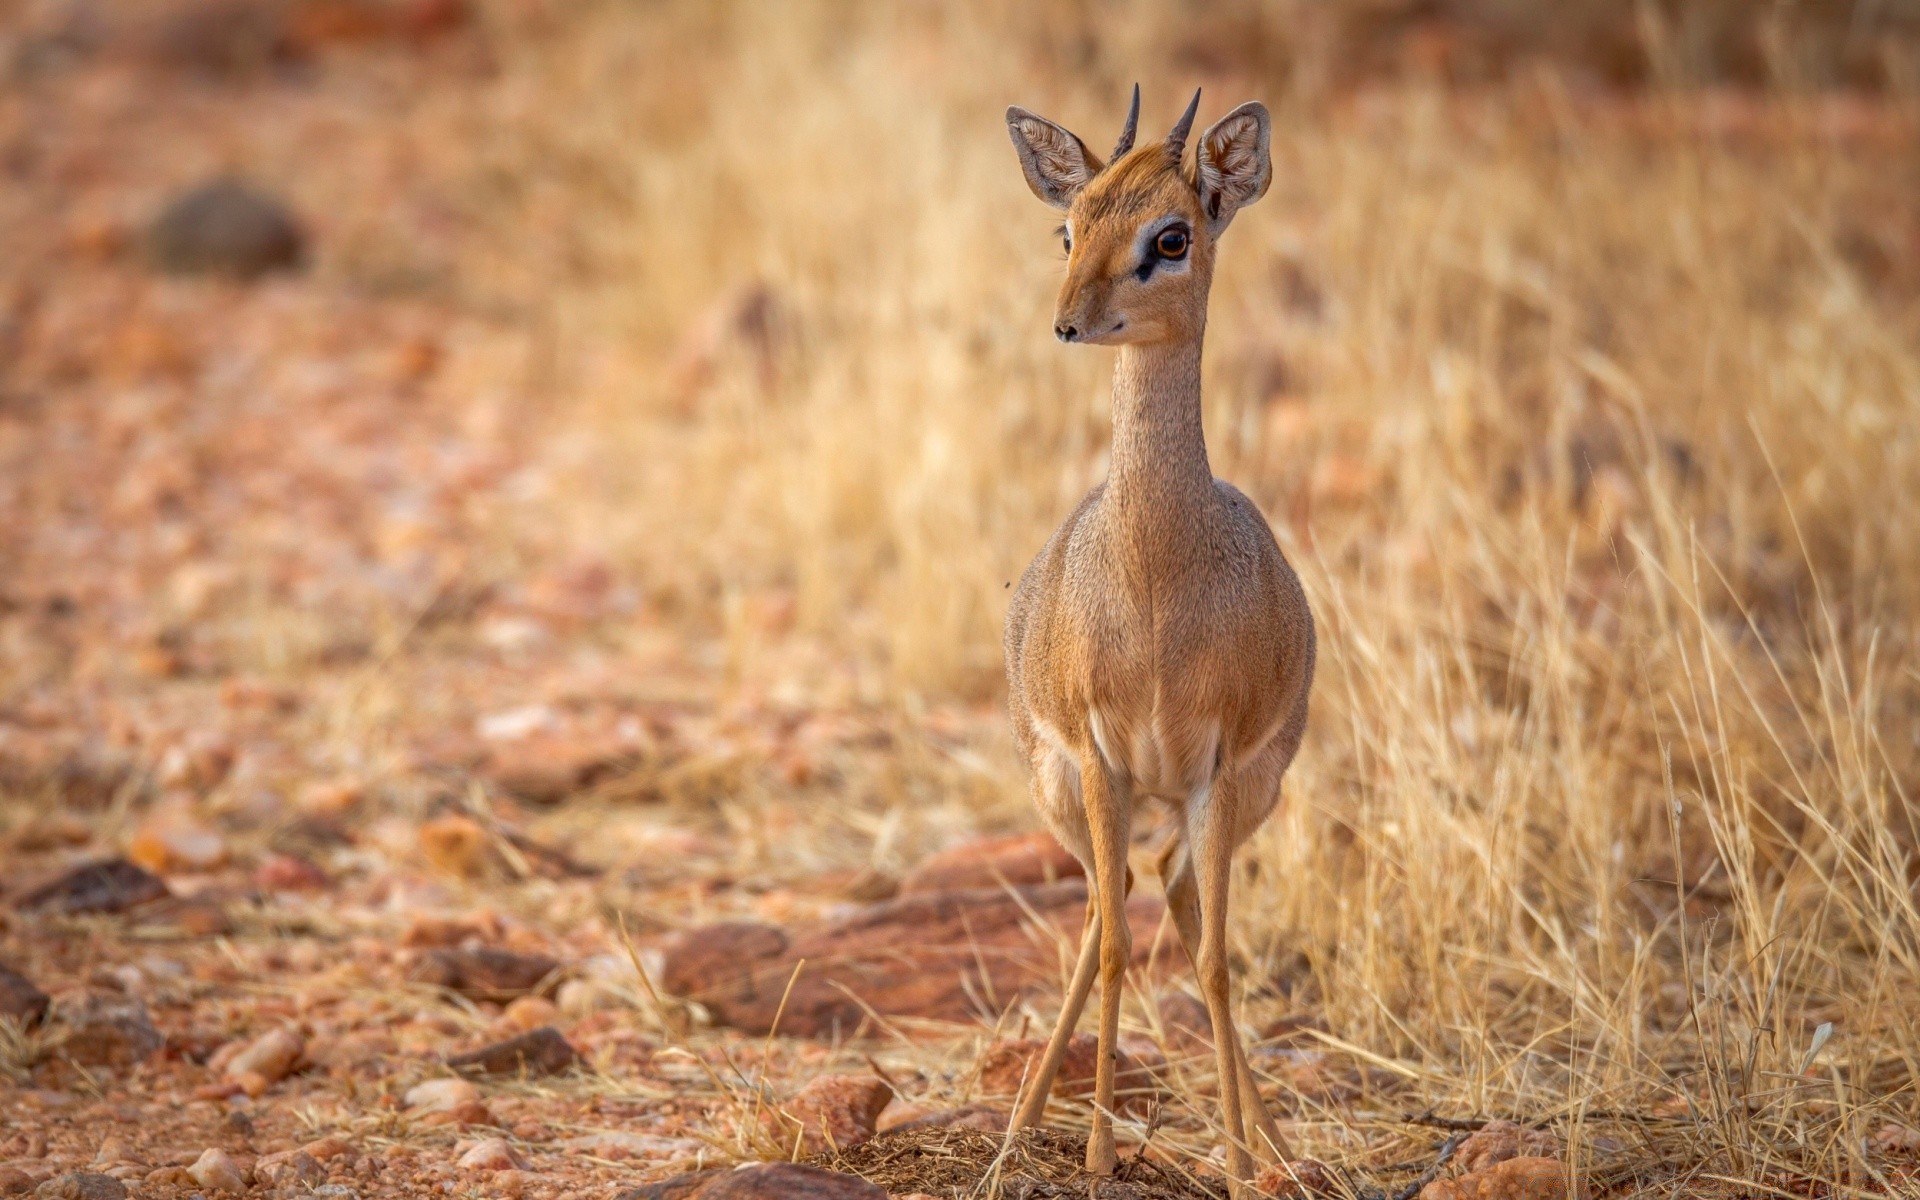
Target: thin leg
(1211, 847)
(1034, 1102)
(1183, 905)
(1108, 819)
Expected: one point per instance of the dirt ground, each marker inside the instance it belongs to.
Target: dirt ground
(404, 769)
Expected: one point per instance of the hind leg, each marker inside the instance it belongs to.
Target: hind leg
(1033, 1103)
(1183, 905)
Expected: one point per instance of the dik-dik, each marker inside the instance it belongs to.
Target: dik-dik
(1159, 648)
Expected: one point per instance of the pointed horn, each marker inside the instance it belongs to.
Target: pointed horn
(1133, 122)
(1177, 140)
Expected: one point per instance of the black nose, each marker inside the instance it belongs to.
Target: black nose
(1065, 333)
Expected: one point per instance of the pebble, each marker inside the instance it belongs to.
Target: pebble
(19, 998)
(81, 1185)
(832, 1112)
(541, 1051)
(441, 1095)
(492, 1154)
(216, 1171)
(225, 227)
(270, 1056)
(106, 886)
(106, 1030)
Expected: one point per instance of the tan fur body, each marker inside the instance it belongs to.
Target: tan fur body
(1160, 627)
(1160, 647)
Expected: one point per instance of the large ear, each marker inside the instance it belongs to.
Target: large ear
(1232, 166)
(1057, 163)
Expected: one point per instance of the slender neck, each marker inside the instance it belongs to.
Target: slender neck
(1159, 451)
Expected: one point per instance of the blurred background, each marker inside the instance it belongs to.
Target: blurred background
(434, 428)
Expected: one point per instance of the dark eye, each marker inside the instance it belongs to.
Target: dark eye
(1172, 243)
(1066, 243)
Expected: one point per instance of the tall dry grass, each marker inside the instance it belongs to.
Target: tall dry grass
(1590, 423)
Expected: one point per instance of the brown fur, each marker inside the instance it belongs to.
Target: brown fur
(1160, 647)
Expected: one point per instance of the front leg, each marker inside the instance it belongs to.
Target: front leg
(1109, 825)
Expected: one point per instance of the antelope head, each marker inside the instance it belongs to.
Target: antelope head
(1142, 226)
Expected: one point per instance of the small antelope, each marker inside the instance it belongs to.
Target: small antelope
(1159, 646)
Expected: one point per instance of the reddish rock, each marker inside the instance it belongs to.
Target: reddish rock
(1023, 860)
(107, 886)
(441, 1095)
(457, 845)
(1498, 1141)
(920, 956)
(832, 1112)
(1004, 1066)
(270, 1056)
(491, 1154)
(760, 1181)
(1513, 1179)
(216, 1171)
(106, 1030)
(289, 1169)
(674, 1187)
(1186, 1023)
(484, 974)
(537, 1052)
(548, 768)
(1301, 1179)
(81, 1185)
(19, 998)
(289, 873)
(983, 1117)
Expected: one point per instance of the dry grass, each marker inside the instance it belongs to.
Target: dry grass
(1588, 423)
(1589, 420)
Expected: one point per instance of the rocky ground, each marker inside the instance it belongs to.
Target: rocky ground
(362, 836)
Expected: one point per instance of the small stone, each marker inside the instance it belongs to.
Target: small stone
(225, 227)
(1498, 1140)
(14, 1181)
(171, 1177)
(1894, 1138)
(81, 1185)
(528, 1013)
(289, 873)
(472, 1112)
(107, 886)
(1512, 1179)
(441, 1095)
(1005, 1066)
(484, 974)
(620, 1145)
(491, 1154)
(216, 1171)
(326, 1148)
(788, 1181)
(983, 1117)
(540, 1051)
(20, 999)
(456, 845)
(1301, 1179)
(106, 1030)
(1023, 859)
(514, 1184)
(289, 1168)
(271, 1057)
(833, 1112)
(674, 1187)
(581, 997)
(1186, 1023)
(199, 917)
(164, 847)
